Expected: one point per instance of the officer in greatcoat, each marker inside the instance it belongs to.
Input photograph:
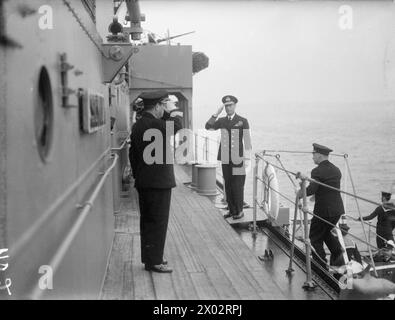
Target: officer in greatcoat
(154, 175)
(234, 150)
(328, 206)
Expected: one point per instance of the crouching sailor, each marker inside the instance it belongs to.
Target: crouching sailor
(154, 176)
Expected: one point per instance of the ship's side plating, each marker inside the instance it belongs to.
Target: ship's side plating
(49, 166)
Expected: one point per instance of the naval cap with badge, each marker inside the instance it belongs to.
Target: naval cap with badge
(151, 98)
(386, 194)
(321, 149)
(229, 99)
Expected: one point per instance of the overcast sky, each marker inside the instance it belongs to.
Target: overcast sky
(283, 51)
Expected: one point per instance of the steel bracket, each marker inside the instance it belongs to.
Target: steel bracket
(116, 56)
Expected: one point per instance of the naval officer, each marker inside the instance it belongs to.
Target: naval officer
(328, 206)
(235, 137)
(154, 177)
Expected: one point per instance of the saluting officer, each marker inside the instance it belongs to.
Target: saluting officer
(235, 135)
(154, 178)
(328, 206)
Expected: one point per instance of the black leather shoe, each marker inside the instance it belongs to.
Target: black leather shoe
(338, 261)
(160, 268)
(228, 215)
(238, 216)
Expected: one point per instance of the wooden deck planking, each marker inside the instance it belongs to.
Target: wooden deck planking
(238, 274)
(209, 259)
(182, 280)
(237, 250)
(204, 287)
(113, 283)
(200, 241)
(224, 251)
(183, 244)
(128, 287)
(143, 286)
(213, 265)
(230, 238)
(127, 223)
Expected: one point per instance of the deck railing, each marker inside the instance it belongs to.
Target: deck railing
(203, 154)
(261, 157)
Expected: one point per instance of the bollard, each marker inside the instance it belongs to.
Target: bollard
(194, 174)
(196, 147)
(206, 179)
(206, 146)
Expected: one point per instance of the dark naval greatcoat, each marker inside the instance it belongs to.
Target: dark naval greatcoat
(329, 206)
(328, 203)
(156, 175)
(153, 182)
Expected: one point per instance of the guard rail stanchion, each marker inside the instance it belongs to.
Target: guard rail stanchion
(308, 285)
(291, 258)
(206, 146)
(196, 147)
(360, 217)
(255, 192)
(345, 183)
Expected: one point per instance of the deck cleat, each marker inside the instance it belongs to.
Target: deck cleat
(309, 286)
(265, 257)
(289, 271)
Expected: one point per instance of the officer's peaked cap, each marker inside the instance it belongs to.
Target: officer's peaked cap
(386, 194)
(151, 98)
(321, 149)
(229, 99)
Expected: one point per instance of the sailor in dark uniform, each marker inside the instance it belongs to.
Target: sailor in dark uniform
(235, 135)
(154, 177)
(385, 221)
(328, 206)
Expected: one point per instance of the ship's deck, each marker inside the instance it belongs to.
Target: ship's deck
(209, 258)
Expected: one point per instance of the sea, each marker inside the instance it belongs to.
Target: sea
(365, 132)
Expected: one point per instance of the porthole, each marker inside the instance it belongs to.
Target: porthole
(43, 115)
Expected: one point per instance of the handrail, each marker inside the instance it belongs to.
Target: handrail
(289, 177)
(293, 202)
(38, 224)
(86, 208)
(298, 175)
(304, 152)
(125, 141)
